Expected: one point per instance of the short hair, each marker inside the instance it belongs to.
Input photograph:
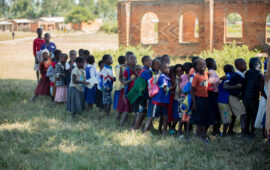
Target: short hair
(254, 62)
(57, 53)
(39, 29)
(238, 61)
(72, 52)
(121, 59)
(90, 59)
(144, 58)
(105, 57)
(187, 66)
(86, 53)
(100, 63)
(209, 62)
(165, 56)
(79, 60)
(177, 66)
(196, 62)
(228, 68)
(129, 53)
(47, 34)
(193, 59)
(80, 51)
(64, 55)
(158, 58)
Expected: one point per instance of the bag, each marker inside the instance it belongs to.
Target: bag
(187, 88)
(153, 88)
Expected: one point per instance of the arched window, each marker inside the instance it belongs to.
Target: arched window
(188, 28)
(268, 28)
(149, 28)
(233, 27)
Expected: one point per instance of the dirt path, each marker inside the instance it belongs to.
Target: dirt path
(16, 56)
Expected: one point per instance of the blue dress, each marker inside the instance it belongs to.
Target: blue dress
(89, 94)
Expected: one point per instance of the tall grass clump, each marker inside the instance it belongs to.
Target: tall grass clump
(110, 27)
(228, 54)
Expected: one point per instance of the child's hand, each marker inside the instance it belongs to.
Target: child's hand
(238, 85)
(86, 83)
(224, 78)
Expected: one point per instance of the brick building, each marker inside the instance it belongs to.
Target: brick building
(185, 27)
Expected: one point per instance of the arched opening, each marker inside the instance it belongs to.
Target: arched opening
(188, 28)
(149, 28)
(233, 27)
(268, 28)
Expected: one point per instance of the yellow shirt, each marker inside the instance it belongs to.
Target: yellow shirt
(117, 84)
(80, 75)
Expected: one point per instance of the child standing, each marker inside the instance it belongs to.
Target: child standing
(202, 114)
(43, 87)
(235, 86)
(118, 84)
(61, 84)
(38, 42)
(254, 85)
(70, 65)
(75, 101)
(107, 80)
(162, 99)
(223, 99)
(213, 83)
(90, 72)
(98, 100)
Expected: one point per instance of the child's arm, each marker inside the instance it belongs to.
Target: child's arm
(262, 87)
(75, 81)
(193, 89)
(231, 87)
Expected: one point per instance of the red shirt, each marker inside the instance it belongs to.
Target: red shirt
(200, 82)
(125, 74)
(37, 45)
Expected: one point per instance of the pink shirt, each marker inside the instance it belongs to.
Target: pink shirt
(213, 81)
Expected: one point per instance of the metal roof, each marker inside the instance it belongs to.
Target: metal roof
(54, 19)
(5, 23)
(19, 21)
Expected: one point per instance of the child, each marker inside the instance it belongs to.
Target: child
(213, 83)
(117, 86)
(235, 86)
(202, 114)
(43, 87)
(80, 52)
(254, 82)
(162, 99)
(75, 101)
(70, 65)
(90, 72)
(107, 80)
(98, 100)
(50, 46)
(223, 99)
(165, 59)
(61, 86)
(38, 42)
(140, 102)
(128, 80)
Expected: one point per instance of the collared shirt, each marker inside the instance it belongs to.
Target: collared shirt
(107, 78)
(37, 45)
(51, 47)
(146, 73)
(163, 97)
(90, 71)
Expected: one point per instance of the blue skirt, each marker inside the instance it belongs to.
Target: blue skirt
(116, 98)
(175, 109)
(90, 95)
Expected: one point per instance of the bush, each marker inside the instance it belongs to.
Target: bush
(110, 27)
(228, 54)
(139, 51)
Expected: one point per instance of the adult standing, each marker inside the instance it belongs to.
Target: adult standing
(38, 42)
(50, 46)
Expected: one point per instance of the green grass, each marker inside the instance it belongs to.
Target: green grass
(42, 135)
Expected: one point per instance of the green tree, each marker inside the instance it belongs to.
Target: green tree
(107, 9)
(79, 14)
(23, 9)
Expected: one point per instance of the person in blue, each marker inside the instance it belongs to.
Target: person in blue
(49, 45)
(141, 102)
(162, 99)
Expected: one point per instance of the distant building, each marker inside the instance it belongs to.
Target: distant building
(90, 26)
(5, 26)
(59, 22)
(45, 25)
(21, 24)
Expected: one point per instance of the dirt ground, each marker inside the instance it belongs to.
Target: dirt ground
(16, 56)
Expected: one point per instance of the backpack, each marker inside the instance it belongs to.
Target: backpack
(153, 87)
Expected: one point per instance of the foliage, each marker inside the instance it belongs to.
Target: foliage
(79, 14)
(233, 18)
(110, 27)
(228, 54)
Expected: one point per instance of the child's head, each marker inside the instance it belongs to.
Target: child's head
(165, 59)
(72, 55)
(138, 69)
(200, 65)
(57, 54)
(63, 58)
(187, 66)
(255, 63)
(107, 59)
(100, 65)
(228, 68)
(211, 64)
(132, 60)
(45, 54)
(128, 54)
(165, 68)
(240, 64)
(90, 59)
(47, 37)
(178, 69)
(39, 32)
(121, 60)
(155, 65)
(80, 52)
(86, 53)
(147, 61)
(80, 62)
(159, 58)
(193, 59)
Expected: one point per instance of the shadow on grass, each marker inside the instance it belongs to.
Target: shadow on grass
(42, 135)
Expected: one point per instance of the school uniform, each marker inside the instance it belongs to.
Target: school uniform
(117, 86)
(51, 47)
(150, 104)
(162, 99)
(203, 114)
(107, 80)
(90, 94)
(60, 84)
(98, 99)
(38, 42)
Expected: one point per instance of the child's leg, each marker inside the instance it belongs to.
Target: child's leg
(148, 124)
(160, 124)
(123, 119)
(165, 123)
(34, 98)
(117, 117)
(243, 119)
(231, 126)
(37, 73)
(139, 120)
(108, 109)
(225, 128)
(174, 124)
(180, 127)
(134, 121)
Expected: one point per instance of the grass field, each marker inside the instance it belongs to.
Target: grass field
(42, 135)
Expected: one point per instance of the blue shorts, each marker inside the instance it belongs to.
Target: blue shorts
(159, 110)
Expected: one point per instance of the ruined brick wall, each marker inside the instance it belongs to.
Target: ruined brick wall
(174, 25)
